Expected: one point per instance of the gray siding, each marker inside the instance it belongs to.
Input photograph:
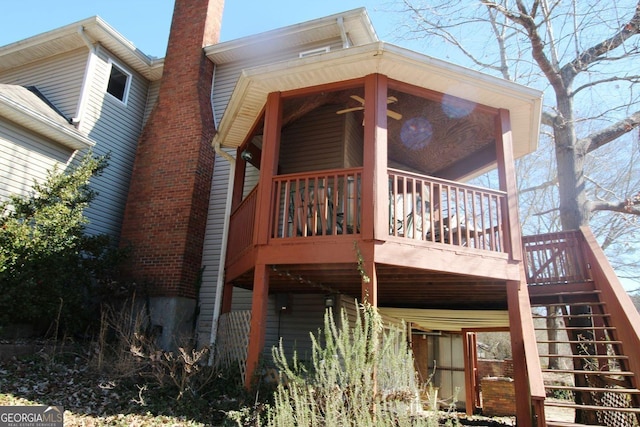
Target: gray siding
(58, 78)
(354, 141)
(306, 317)
(115, 127)
(25, 157)
(152, 99)
(225, 79)
(112, 125)
(314, 142)
(213, 245)
(227, 75)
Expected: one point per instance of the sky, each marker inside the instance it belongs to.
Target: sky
(146, 23)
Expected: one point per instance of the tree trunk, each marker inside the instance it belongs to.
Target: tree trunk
(552, 335)
(574, 209)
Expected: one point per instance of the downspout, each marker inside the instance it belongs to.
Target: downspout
(217, 305)
(86, 81)
(343, 33)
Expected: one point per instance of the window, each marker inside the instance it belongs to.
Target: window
(119, 81)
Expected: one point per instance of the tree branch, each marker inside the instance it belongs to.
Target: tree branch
(542, 186)
(537, 45)
(630, 79)
(610, 133)
(594, 53)
(629, 206)
(548, 119)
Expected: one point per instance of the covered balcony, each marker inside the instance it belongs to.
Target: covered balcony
(322, 174)
(352, 178)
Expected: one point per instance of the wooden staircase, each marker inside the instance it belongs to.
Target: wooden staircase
(589, 357)
(591, 380)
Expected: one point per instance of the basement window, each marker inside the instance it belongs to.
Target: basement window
(119, 82)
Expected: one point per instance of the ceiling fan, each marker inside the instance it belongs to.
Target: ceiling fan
(390, 100)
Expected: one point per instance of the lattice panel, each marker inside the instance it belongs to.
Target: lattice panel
(233, 340)
(613, 418)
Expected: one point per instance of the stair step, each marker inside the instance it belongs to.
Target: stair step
(551, 423)
(591, 407)
(578, 328)
(593, 389)
(565, 294)
(582, 372)
(582, 356)
(580, 342)
(569, 304)
(575, 316)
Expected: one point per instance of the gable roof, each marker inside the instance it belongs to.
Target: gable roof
(254, 84)
(354, 26)
(73, 36)
(30, 109)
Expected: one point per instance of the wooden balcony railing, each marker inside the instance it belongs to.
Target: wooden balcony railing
(421, 208)
(436, 210)
(241, 225)
(555, 258)
(323, 203)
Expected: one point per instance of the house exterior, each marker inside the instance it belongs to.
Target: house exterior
(75, 88)
(262, 181)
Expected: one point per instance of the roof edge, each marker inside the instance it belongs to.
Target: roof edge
(30, 119)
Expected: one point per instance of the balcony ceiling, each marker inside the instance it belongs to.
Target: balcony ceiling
(397, 286)
(524, 104)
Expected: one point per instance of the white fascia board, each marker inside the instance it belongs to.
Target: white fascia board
(400, 64)
(58, 132)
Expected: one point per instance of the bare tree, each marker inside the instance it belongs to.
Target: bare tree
(584, 54)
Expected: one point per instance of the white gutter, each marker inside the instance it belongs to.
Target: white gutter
(86, 81)
(217, 305)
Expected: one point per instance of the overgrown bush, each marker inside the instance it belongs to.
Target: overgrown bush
(47, 260)
(359, 375)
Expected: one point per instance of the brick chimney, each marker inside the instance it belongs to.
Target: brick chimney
(166, 212)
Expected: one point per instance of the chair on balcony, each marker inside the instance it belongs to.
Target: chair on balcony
(455, 230)
(314, 212)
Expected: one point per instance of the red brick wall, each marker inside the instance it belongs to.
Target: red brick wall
(166, 210)
(498, 397)
(495, 368)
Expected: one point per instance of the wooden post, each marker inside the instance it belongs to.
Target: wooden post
(507, 178)
(370, 284)
(268, 167)
(227, 298)
(375, 185)
(257, 331)
(521, 382)
(238, 180)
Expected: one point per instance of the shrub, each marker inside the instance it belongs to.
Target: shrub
(360, 375)
(47, 261)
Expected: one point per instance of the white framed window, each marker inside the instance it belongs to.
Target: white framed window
(119, 82)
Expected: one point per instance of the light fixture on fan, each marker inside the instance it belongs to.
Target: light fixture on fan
(390, 100)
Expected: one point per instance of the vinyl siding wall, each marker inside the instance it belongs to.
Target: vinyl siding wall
(59, 78)
(112, 125)
(226, 76)
(25, 157)
(115, 127)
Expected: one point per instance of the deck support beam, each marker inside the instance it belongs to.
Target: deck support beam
(257, 331)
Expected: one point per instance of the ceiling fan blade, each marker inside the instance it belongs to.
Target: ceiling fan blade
(394, 115)
(348, 110)
(357, 98)
(392, 99)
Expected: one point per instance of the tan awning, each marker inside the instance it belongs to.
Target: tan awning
(449, 320)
